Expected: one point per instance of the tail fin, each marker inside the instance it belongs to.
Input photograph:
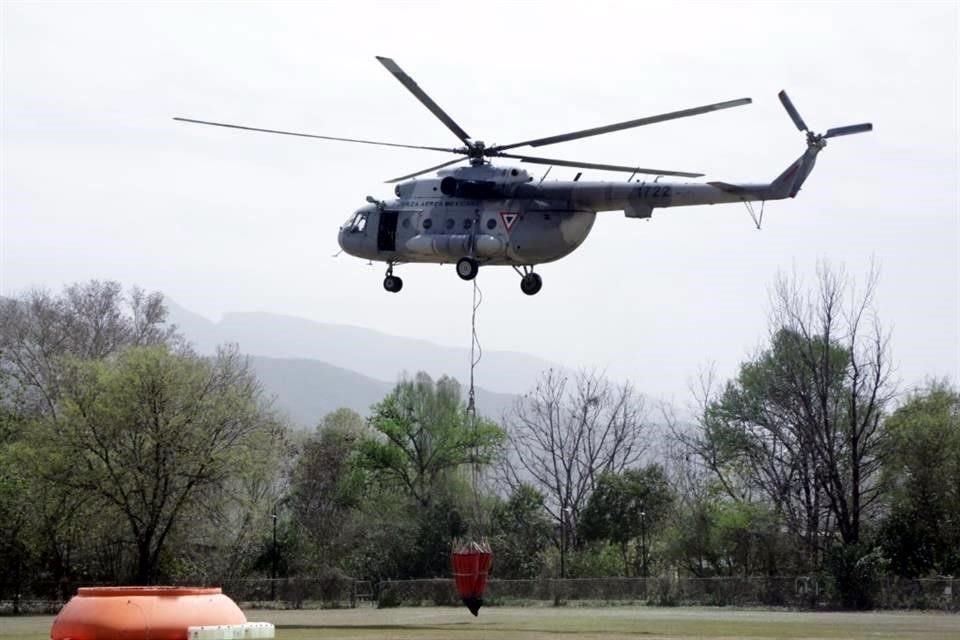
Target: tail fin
(788, 183)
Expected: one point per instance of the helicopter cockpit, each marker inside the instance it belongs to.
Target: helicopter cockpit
(357, 223)
(359, 234)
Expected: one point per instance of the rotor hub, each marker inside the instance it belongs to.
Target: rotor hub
(816, 140)
(476, 149)
(477, 152)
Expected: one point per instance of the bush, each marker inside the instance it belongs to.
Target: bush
(856, 571)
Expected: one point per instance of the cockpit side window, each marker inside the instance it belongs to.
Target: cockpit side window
(359, 223)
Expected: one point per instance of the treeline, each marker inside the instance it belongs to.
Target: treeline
(127, 458)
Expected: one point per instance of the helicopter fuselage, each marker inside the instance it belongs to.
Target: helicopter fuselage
(505, 227)
(449, 231)
(499, 216)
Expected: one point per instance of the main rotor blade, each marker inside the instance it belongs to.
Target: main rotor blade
(419, 173)
(427, 101)
(629, 124)
(604, 167)
(792, 111)
(311, 135)
(848, 130)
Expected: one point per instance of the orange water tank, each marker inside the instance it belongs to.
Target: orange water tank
(143, 613)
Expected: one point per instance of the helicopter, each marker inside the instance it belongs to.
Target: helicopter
(489, 215)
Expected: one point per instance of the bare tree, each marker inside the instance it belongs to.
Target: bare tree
(87, 321)
(747, 442)
(840, 384)
(567, 432)
(801, 424)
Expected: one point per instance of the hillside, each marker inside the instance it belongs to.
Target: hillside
(306, 390)
(312, 368)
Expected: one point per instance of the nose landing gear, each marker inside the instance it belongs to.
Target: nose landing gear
(531, 283)
(392, 283)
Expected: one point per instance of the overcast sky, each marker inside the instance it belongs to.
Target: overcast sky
(99, 182)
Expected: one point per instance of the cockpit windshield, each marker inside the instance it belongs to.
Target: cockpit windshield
(357, 223)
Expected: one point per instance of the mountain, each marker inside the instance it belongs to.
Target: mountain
(374, 354)
(306, 390)
(312, 368)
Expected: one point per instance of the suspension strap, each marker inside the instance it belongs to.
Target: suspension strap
(476, 353)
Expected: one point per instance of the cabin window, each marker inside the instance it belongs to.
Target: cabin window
(491, 223)
(449, 224)
(467, 224)
(406, 223)
(427, 223)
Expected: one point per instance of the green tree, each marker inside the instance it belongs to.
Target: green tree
(801, 427)
(421, 445)
(692, 540)
(424, 435)
(62, 531)
(747, 538)
(327, 487)
(344, 421)
(384, 530)
(922, 475)
(629, 509)
(761, 434)
(522, 532)
(149, 434)
(16, 552)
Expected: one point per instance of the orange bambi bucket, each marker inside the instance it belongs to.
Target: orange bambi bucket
(143, 613)
(471, 566)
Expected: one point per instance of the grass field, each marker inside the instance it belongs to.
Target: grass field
(571, 623)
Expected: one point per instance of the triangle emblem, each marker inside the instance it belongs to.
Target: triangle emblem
(509, 218)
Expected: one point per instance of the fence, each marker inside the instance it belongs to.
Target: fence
(802, 592)
(653, 591)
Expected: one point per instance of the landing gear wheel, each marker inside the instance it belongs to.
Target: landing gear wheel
(393, 284)
(531, 283)
(467, 268)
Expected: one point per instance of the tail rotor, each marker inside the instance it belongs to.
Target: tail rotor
(819, 139)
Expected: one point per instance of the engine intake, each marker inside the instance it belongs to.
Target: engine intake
(473, 189)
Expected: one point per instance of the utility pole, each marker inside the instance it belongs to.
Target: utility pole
(564, 513)
(273, 558)
(643, 541)
(563, 544)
